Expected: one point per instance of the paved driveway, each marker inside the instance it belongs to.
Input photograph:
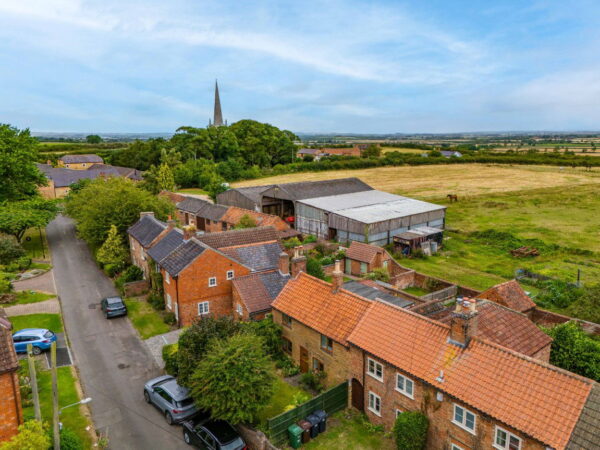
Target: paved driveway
(112, 361)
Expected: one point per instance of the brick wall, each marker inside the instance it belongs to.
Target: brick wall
(135, 288)
(138, 256)
(237, 302)
(335, 362)
(549, 319)
(442, 431)
(11, 415)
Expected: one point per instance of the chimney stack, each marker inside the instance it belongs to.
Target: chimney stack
(284, 263)
(463, 325)
(337, 277)
(170, 223)
(189, 231)
(298, 262)
(146, 213)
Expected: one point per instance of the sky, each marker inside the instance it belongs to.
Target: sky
(422, 66)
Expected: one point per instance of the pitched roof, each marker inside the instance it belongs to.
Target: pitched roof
(173, 197)
(259, 257)
(239, 237)
(166, 245)
(76, 159)
(63, 177)
(253, 193)
(312, 302)
(312, 189)
(234, 214)
(360, 251)
(146, 229)
(509, 294)
(258, 290)
(533, 397)
(8, 357)
(370, 291)
(182, 256)
(202, 208)
(586, 432)
(507, 327)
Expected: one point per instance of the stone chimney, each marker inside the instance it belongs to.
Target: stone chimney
(146, 213)
(298, 262)
(463, 324)
(284, 263)
(337, 277)
(189, 231)
(170, 223)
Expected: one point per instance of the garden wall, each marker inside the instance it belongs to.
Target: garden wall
(549, 319)
(135, 288)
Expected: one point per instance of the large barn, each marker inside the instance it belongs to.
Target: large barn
(346, 209)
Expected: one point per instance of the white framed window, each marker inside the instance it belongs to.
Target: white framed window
(456, 447)
(405, 385)
(239, 309)
(464, 418)
(169, 304)
(374, 403)
(203, 308)
(212, 281)
(505, 440)
(375, 369)
(230, 274)
(167, 277)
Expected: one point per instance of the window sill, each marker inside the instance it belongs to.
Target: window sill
(375, 377)
(412, 397)
(460, 425)
(327, 351)
(378, 414)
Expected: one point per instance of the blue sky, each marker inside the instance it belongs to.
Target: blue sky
(309, 66)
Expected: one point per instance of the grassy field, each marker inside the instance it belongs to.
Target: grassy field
(50, 322)
(416, 151)
(71, 418)
(145, 319)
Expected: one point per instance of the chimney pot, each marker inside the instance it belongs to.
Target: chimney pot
(284, 263)
(188, 232)
(298, 262)
(337, 277)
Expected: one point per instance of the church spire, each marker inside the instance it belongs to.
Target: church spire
(218, 118)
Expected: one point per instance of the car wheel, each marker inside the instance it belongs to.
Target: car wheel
(169, 418)
(146, 396)
(186, 438)
(36, 351)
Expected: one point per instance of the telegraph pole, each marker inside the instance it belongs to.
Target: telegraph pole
(55, 411)
(34, 386)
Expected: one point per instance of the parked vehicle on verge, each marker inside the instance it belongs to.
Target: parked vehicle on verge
(206, 433)
(39, 338)
(113, 307)
(172, 400)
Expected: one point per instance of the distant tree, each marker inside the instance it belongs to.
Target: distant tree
(139, 154)
(111, 201)
(31, 436)
(263, 144)
(113, 251)
(19, 176)
(410, 430)
(93, 139)
(165, 179)
(372, 151)
(246, 221)
(234, 380)
(308, 158)
(10, 249)
(573, 350)
(17, 217)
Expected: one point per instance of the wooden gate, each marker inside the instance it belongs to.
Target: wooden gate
(358, 395)
(303, 360)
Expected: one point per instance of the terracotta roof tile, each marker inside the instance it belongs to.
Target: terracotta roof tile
(514, 389)
(360, 251)
(8, 357)
(312, 302)
(258, 290)
(509, 294)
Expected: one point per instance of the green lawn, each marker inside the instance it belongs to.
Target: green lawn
(284, 394)
(147, 321)
(24, 297)
(349, 430)
(50, 322)
(72, 417)
(33, 247)
(415, 290)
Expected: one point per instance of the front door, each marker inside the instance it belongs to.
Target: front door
(303, 360)
(358, 399)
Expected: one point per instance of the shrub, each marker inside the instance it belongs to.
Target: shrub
(314, 380)
(379, 273)
(132, 273)
(410, 430)
(169, 318)
(5, 286)
(169, 355)
(24, 262)
(111, 269)
(32, 436)
(69, 440)
(558, 293)
(156, 301)
(310, 239)
(292, 242)
(246, 221)
(287, 365)
(10, 249)
(313, 267)
(327, 260)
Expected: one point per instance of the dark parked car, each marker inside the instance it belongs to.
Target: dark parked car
(172, 400)
(211, 434)
(39, 338)
(113, 307)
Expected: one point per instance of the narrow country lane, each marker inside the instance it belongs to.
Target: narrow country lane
(112, 361)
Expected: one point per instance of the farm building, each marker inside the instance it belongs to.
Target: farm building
(369, 216)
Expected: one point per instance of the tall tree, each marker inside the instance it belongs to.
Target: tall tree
(17, 217)
(113, 250)
(19, 176)
(165, 179)
(263, 144)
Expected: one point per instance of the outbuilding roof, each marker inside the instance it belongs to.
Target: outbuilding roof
(312, 189)
(146, 229)
(78, 159)
(242, 236)
(510, 294)
(258, 290)
(202, 208)
(359, 251)
(367, 290)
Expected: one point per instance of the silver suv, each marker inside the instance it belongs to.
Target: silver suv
(172, 400)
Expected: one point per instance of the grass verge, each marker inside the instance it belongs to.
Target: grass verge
(33, 246)
(25, 297)
(50, 322)
(145, 319)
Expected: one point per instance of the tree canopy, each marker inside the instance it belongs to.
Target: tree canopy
(19, 176)
(31, 436)
(10, 249)
(17, 217)
(93, 139)
(113, 251)
(111, 201)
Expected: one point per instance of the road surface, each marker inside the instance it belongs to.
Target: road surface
(113, 362)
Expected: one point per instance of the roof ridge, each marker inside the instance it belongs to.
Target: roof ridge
(252, 244)
(328, 284)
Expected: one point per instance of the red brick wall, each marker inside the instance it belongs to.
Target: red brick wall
(11, 415)
(135, 288)
(237, 301)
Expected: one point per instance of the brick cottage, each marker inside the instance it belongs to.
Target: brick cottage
(11, 414)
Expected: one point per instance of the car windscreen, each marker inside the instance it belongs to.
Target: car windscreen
(233, 445)
(48, 334)
(185, 402)
(114, 301)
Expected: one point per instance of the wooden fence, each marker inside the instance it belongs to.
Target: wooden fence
(333, 400)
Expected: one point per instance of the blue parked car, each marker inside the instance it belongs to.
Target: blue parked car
(39, 338)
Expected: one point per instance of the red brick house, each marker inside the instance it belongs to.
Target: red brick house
(143, 235)
(362, 258)
(511, 295)
(11, 414)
